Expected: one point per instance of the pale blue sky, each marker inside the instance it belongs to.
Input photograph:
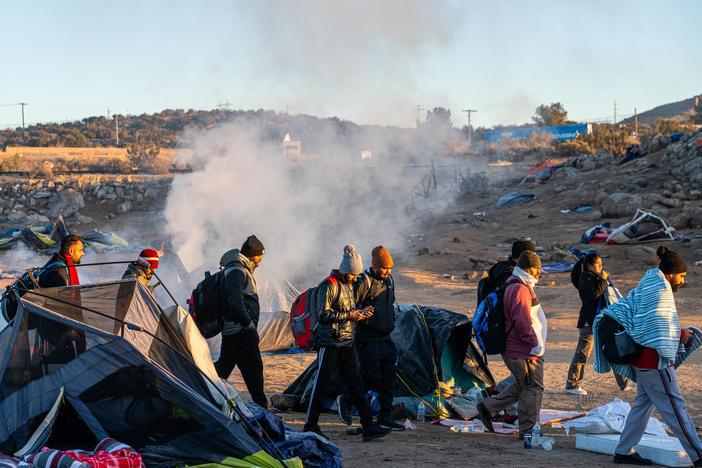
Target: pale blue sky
(366, 61)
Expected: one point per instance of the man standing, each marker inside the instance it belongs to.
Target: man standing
(376, 352)
(60, 269)
(649, 316)
(241, 313)
(525, 325)
(333, 337)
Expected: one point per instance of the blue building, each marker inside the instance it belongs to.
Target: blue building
(559, 132)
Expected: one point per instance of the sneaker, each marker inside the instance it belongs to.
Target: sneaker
(697, 462)
(629, 386)
(576, 391)
(391, 423)
(315, 429)
(344, 409)
(485, 417)
(632, 459)
(374, 431)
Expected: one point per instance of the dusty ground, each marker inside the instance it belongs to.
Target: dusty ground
(420, 279)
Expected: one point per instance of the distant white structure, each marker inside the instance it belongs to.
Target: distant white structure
(366, 154)
(291, 148)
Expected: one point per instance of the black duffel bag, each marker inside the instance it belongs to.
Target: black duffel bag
(615, 342)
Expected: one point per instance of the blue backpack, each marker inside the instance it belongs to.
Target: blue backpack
(489, 322)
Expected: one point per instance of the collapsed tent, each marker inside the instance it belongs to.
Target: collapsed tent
(643, 227)
(544, 171)
(514, 198)
(82, 363)
(433, 344)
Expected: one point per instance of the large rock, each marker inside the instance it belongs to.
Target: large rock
(66, 202)
(680, 220)
(619, 205)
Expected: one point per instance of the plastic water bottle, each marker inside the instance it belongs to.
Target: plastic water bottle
(420, 412)
(536, 435)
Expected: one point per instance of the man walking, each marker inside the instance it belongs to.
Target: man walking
(241, 312)
(649, 316)
(333, 337)
(525, 325)
(501, 271)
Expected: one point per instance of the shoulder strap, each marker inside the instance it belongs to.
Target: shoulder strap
(332, 279)
(50, 266)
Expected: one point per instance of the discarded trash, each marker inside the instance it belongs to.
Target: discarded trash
(514, 198)
(410, 425)
(698, 262)
(479, 213)
(420, 412)
(527, 441)
(354, 430)
(565, 211)
(468, 427)
(546, 442)
(447, 276)
(583, 208)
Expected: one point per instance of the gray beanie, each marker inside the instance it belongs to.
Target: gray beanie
(351, 263)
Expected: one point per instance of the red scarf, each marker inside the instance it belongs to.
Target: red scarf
(73, 281)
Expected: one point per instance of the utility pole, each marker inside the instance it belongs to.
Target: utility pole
(22, 104)
(469, 111)
(419, 110)
(636, 124)
(116, 130)
(615, 112)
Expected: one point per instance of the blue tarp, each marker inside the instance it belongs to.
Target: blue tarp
(559, 132)
(514, 198)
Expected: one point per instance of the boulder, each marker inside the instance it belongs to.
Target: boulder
(123, 207)
(619, 205)
(67, 201)
(593, 215)
(680, 220)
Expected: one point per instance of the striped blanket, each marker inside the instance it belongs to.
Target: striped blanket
(108, 454)
(649, 316)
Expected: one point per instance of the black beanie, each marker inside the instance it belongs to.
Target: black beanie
(521, 245)
(252, 247)
(671, 262)
(528, 259)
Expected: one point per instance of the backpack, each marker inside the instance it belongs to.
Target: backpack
(489, 322)
(616, 344)
(303, 316)
(205, 304)
(29, 280)
(497, 276)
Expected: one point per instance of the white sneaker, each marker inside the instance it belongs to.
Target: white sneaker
(629, 386)
(576, 391)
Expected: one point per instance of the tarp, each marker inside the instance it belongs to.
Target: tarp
(643, 227)
(544, 171)
(432, 344)
(514, 198)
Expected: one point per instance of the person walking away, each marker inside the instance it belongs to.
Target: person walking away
(333, 339)
(526, 328)
(501, 271)
(591, 280)
(240, 311)
(143, 269)
(648, 314)
(376, 351)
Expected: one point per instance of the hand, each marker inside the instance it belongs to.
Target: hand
(605, 275)
(367, 312)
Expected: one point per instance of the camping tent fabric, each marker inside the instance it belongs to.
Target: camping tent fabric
(643, 227)
(514, 198)
(544, 171)
(133, 378)
(431, 343)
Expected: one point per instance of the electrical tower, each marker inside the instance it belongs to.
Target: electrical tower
(419, 113)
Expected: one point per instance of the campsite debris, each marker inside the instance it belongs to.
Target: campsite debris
(565, 211)
(514, 198)
(420, 412)
(583, 208)
(698, 262)
(527, 441)
(470, 276)
(447, 276)
(410, 425)
(643, 227)
(478, 214)
(457, 240)
(468, 427)
(423, 251)
(484, 275)
(354, 430)
(532, 216)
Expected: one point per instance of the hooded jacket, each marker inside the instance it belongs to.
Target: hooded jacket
(591, 288)
(55, 276)
(525, 320)
(335, 327)
(240, 296)
(138, 270)
(373, 291)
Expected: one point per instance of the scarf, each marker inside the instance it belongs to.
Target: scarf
(72, 273)
(649, 316)
(538, 317)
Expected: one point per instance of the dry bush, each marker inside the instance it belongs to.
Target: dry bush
(574, 147)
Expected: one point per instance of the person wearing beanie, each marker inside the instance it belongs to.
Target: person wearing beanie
(525, 326)
(333, 338)
(648, 315)
(377, 354)
(499, 272)
(241, 311)
(143, 268)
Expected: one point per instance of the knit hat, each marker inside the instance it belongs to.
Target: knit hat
(671, 262)
(351, 263)
(528, 259)
(252, 247)
(519, 246)
(150, 256)
(381, 258)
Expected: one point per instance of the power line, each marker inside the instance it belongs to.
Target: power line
(469, 111)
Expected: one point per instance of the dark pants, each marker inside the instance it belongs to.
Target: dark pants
(343, 359)
(582, 353)
(242, 350)
(378, 361)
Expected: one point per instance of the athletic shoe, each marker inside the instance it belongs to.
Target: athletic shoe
(391, 423)
(344, 409)
(485, 417)
(629, 386)
(374, 431)
(315, 429)
(633, 459)
(577, 391)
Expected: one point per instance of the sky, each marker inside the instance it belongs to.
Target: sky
(368, 61)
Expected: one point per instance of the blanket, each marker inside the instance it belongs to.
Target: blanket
(108, 454)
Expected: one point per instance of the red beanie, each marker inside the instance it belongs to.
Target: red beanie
(151, 256)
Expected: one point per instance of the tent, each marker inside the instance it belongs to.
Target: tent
(433, 345)
(544, 171)
(643, 227)
(82, 363)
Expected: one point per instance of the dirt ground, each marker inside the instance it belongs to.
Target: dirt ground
(421, 279)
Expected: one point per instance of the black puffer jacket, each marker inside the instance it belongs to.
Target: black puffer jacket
(334, 324)
(56, 275)
(591, 289)
(240, 294)
(373, 291)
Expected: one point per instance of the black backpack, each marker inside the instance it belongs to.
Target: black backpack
(206, 302)
(489, 322)
(497, 276)
(29, 280)
(616, 344)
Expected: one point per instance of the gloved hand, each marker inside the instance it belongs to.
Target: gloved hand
(231, 328)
